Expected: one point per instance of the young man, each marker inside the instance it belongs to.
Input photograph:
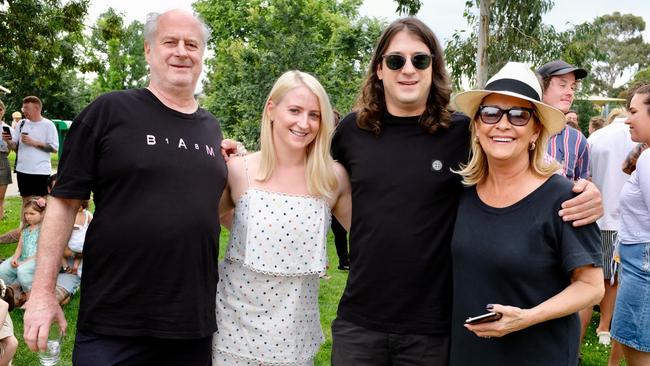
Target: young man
(399, 148)
(572, 119)
(568, 147)
(34, 139)
(151, 158)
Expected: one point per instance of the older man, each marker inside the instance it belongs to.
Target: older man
(151, 158)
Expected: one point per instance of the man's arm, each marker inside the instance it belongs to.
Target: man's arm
(42, 308)
(43, 146)
(585, 208)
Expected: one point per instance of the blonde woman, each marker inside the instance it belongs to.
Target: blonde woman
(283, 196)
(512, 256)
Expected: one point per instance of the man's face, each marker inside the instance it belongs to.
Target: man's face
(560, 91)
(406, 90)
(30, 110)
(176, 53)
(572, 117)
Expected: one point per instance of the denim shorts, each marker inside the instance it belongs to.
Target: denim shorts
(631, 322)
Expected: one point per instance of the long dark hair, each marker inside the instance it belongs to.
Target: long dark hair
(371, 103)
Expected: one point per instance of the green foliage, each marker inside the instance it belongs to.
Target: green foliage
(408, 7)
(516, 33)
(116, 54)
(39, 53)
(620, 40)
(255, 41)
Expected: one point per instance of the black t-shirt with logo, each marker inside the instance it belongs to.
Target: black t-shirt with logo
(404, 203)
(150, 255)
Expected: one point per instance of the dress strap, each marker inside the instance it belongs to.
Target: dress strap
(248, 180)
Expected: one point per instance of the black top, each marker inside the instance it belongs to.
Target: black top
(404, 199)
(150, 255)
(521, 256)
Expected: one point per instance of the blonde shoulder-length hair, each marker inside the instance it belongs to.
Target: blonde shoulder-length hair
(476, 170)
(319, 172)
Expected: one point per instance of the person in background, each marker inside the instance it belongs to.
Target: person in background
(608, 148)
(595, 123)
(572, 119)
(15, 119)
(20, 267)
(5, 168)
(8, 341)
(510, 257)
(34, 140)
(569, 146)
(615, 113)
(631, 322)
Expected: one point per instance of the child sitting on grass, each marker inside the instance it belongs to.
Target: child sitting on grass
(20, 267)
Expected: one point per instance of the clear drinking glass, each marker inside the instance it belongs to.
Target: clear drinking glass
(51, 355)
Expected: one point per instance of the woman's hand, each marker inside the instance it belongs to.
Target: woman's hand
(14, 262)
(512, 320)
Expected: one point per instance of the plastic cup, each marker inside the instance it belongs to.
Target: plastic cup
(52, 354)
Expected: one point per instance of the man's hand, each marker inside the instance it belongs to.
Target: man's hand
(585, 208)
(231, 147)
(41, 311)
(6, 136)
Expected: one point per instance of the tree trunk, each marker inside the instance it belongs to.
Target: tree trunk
(481, 52)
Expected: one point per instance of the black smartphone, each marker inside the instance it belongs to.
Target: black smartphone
(484, 318)
(6, 129)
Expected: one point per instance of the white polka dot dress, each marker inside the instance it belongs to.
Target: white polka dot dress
(267, 296)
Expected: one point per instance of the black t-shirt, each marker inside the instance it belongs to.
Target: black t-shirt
(520, 255)
(404, 201)
(150, 255)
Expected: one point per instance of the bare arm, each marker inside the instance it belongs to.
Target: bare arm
(586, 208)
(42, 309)
(43, 146)
(586, 289)
(342, 209)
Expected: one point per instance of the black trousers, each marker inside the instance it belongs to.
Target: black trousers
(353, 345)
(91, 349)
(341, 242)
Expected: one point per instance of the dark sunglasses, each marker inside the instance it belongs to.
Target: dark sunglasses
(517, 116)
(420, 61)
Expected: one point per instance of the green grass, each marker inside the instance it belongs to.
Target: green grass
(330, 293)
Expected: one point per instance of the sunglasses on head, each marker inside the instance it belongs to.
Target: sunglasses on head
(517, 116)
(420, 60)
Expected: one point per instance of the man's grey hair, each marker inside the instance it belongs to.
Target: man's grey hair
(151, 26)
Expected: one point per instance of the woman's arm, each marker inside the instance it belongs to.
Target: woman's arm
(18, 252)
(342, 208)
(586, 289)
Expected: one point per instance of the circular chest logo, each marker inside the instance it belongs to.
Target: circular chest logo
(436, 165)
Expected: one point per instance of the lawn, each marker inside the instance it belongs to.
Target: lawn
(594, 354)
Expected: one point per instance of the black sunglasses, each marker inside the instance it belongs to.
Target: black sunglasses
(420, 61)
(517, 116)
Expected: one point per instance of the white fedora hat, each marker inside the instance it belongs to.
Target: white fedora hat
(516, 80)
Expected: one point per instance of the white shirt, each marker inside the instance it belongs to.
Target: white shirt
(635, 204)
(32, 160)
(609, 146)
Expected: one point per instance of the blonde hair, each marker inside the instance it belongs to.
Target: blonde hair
(476, 170)
(319, 174)
(615, 113)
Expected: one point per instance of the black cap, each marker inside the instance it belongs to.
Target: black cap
(559, 67)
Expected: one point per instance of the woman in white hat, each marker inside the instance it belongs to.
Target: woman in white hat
(510, 255)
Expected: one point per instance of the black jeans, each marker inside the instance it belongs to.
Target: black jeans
(353, 345)
(91, 349)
